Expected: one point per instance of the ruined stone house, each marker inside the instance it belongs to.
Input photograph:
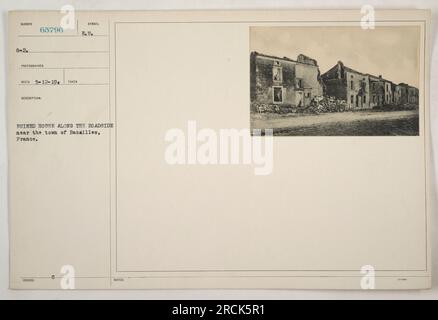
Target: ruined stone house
(365, 91)
(413, 94)
(377, 91)
(348, 84)
(284, 82)
(402, 93)
(398, 94)
(393, 86)
(406, 94)
(388, 92)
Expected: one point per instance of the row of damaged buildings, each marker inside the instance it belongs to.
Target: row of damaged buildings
(284, 82)
(365, 91)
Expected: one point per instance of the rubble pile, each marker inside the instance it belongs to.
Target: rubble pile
(319, 104)
(324, 104)
(273, 108)
(266, 108)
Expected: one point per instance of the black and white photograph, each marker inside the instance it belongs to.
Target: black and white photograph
(335, 81)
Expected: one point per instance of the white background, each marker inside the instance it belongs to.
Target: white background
(6, 5)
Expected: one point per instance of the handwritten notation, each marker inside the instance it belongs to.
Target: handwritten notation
(47, 82)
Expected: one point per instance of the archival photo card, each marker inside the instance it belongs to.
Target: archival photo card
(144, 151)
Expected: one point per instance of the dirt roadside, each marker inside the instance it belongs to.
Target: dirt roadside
(262, 122)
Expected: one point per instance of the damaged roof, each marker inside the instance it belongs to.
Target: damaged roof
(287, 59)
